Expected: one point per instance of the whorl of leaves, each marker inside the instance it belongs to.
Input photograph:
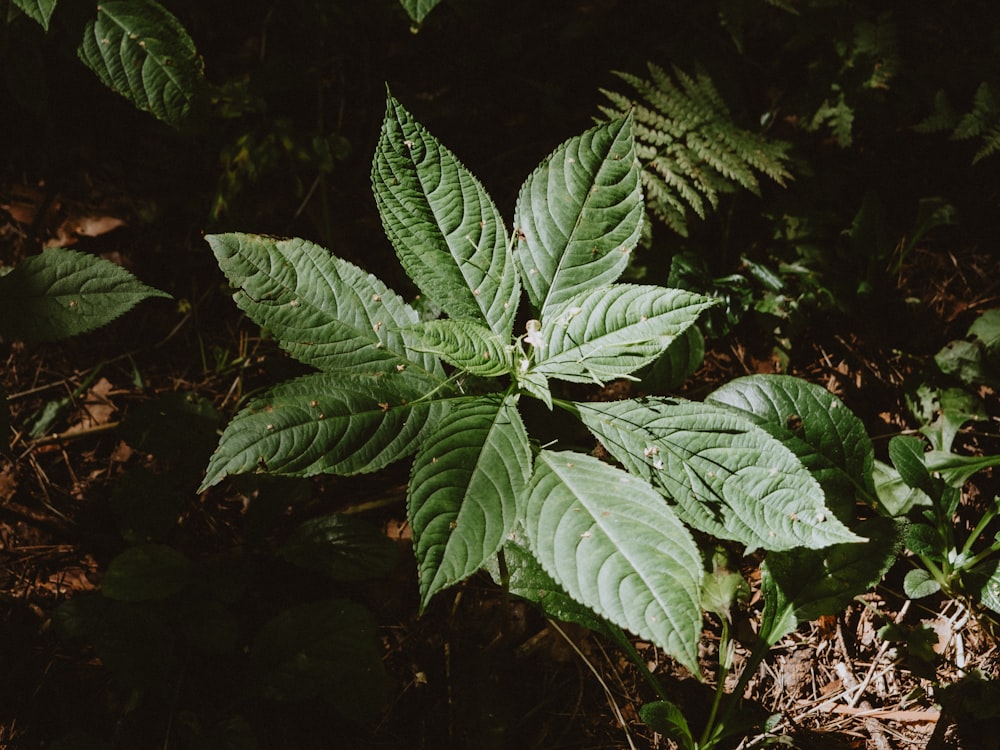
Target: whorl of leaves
(691, 149)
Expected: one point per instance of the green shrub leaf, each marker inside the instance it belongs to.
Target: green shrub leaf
(668, 719)
(62, 293)
(814, 424)
(464, 344)
(609, 332)
(919, 583)
(447, 233)
(907, 454)
(337, 423)
(418, 9)
(579, 215)
(325, 311)
(612, 543)
(803, 584)
(38, 10)
(141, 51)
(676, 364)
(325, 649)
(728, 477)
(342, 547)
(467, 482)
(523, 576)
(147, 572)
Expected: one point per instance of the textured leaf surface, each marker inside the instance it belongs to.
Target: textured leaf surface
(526, 578)
(342, 547)
(418, 9)
(325, 311)
(447, 233)
(324, 649)
(334, 423)
(675, 365)
(466, 345)
(609, 332)
(612, 543)
(141, 51)
(579, 215)
(39, 10)
(61, 293)
(467, 481)
(727, 476)
(803, 584)
(813, 423)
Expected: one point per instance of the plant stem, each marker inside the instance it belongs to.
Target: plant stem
(726, 650)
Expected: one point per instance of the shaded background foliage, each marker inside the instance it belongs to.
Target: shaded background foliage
(282, 144)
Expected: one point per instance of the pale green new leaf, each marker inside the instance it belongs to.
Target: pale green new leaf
(579, 215)
(814, 424)
(612, 543)
(467, 482)
(805, 584)
(418, 9)
(609, 332)
(469, 346)
(38, 10)
(443, 225)
(325, 311)
(727, 477)
(327, 422)
(61, 293)
(140, 50)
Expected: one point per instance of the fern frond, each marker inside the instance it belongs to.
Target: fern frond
(691, 149)
(982, 121)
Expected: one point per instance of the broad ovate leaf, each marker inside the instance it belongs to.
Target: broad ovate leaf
(465, 487)
(443, 225)
(326, 422)
(609, 540)
(814, 424)
(804, 584)
(464, 344)
(140, 50)
(61, 293)
(579, 215)
(726, 476)
(147, 572)
(325, 311)
(609, 332)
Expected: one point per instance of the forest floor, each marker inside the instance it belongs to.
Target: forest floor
(475, 670)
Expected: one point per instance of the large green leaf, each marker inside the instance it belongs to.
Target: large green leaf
(804, 584)
(326, 649)
(467, 482)
(464, 344)
(325, 311)
(141, 51)
(39, 10)
(609, 332)
(61, 293)
(727, 476)
(612, 543)
(334, 423)
(813, 423)
(447, 233)
(579, 215)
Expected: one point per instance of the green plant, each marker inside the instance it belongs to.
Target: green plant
(62, 293)
(481, 494)
(691, 149)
